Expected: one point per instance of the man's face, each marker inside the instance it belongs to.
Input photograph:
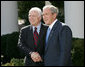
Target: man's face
(34, 18)
(48, 16)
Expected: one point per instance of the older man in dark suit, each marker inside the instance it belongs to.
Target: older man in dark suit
(32, 37)
(58, 39)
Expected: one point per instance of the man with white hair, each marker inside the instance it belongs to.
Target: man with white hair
(32, 37)
(58, 39)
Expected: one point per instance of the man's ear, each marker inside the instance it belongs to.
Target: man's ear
(55, 15)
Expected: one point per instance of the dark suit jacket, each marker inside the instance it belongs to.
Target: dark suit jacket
(58, 50)
(26, 43)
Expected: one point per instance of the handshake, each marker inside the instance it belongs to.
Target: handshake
(36, 57)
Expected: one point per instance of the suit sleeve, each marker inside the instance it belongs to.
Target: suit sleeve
(22, 42)
(65, 40)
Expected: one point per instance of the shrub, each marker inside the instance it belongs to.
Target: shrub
(78, 52)
(9, 47)
(14, 62)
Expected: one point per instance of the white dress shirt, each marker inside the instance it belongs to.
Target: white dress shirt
(48, 30)
(38, 28)
(51, 26)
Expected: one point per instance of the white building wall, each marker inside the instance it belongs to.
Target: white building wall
(9, 17)
(74, 17)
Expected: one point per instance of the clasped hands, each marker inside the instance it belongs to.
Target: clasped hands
(36, 57)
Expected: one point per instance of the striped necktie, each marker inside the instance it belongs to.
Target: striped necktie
(35, 36)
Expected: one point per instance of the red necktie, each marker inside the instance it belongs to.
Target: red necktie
(35, 36)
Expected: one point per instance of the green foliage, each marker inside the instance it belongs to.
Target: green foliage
(9, 40)
(9, 47)
(8, 64)
(25, 6)
(14, 62)
(78, 52)
(60, 5)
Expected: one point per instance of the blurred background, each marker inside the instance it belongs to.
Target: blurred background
(14, 15)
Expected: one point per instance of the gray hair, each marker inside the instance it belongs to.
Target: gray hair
(36, 9)
(52, 8)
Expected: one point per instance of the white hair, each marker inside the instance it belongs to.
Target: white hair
(36, 9)
(52, 8)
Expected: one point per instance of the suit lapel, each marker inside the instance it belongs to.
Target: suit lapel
(30, 37)
(51, 33)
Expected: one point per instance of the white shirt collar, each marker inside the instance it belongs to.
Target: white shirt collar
(50, 26)
(38, 28)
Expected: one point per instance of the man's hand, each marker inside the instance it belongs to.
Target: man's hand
(36, 57)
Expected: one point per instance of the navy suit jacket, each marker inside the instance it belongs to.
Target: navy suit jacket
(26, 43)
(58, 50)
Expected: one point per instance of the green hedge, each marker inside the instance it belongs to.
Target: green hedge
(10, 50)
(14, 62)
(78, 52)
(9, 47)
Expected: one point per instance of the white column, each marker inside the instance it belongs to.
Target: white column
(9, 17)
(74, 17)
(47, 3)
